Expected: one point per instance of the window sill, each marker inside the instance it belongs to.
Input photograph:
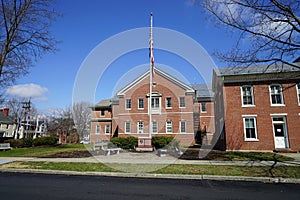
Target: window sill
(251, 140)
(277, 105)
(248, 106)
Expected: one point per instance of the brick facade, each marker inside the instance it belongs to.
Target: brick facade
(257, 124)
(127, 110)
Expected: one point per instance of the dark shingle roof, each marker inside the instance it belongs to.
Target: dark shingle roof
(5, 119)
(203, 90)
(260, 69)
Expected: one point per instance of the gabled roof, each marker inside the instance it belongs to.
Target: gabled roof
(5, 119)
(188, 88)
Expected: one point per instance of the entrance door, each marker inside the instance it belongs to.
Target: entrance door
(280, 133)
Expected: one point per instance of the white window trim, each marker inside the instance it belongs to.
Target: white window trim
(184, 102)
(138, 127)
(139, 104)
(97, 133)
(282, 98)
(126, 104)
(106, 129)
(156, 127)
(255, 127)
(205, 107)
(184, 125)
(171, 103)
(298, 88)
(126, 127)
(167, 127)
(252, 95)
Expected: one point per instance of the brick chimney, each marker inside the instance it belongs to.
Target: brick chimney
(5, 111)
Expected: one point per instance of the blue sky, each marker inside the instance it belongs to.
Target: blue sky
(87, 23)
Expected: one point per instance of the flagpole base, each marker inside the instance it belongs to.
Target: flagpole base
(144, 144)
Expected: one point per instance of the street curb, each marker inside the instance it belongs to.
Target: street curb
(160, 176)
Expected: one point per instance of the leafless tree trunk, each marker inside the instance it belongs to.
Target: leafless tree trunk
(81, 115)
(24, 35)
(269, 30)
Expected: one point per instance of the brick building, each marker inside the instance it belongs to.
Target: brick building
(258, 107)
(176, 110)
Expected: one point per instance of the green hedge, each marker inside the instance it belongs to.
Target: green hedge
(29, 142)
(125, 143)
(161, 141)
(51, 140)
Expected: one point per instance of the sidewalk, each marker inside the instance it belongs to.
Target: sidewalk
(151, 158)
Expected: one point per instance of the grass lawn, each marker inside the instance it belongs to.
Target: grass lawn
(42, 151)
(265, 171)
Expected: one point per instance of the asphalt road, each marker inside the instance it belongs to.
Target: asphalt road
(54, 187)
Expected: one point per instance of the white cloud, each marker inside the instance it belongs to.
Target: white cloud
(31, 90)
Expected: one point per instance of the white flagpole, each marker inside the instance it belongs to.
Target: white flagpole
(150, 89)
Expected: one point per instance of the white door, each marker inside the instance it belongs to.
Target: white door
(280, 133)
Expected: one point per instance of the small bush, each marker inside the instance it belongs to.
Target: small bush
(51, 140)
(161, 141)
(125, 143)
(27, 142)
(18, 143)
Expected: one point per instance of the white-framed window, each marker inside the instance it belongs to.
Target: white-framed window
(203, 107)
(98, 129)
(127, 127)
(182, 126)
(247, 95)
(140, 127)
(128, 104)
(107, 129)
(154, 127)
(276, 95)
(169, 128)
(181, 102)
(250, 130)
(168, 102)
(298, 93)
(141, 103)
(155, 102)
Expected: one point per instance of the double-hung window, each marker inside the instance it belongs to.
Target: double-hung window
(247, 95)
(181, 102)
(182, 126)
(276, 95)
(169, 127)
(128, 104)
(154, 127)
(141, 103)
(298, 93)
(168, 102)
(140, 127)
(250, 130)
(203, 107)
(107, 129)
(98, 129)
(127, 127)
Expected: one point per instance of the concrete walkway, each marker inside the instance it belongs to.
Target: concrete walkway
(151, 158)
(141, 171)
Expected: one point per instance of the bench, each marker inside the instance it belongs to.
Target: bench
(5, 146)
(162, 152)
(108, 151)
(103, 146)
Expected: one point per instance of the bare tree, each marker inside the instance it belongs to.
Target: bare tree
(269, 31)
(82, 115)
(24, 35)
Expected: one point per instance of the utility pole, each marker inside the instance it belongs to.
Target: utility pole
(26, 106)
